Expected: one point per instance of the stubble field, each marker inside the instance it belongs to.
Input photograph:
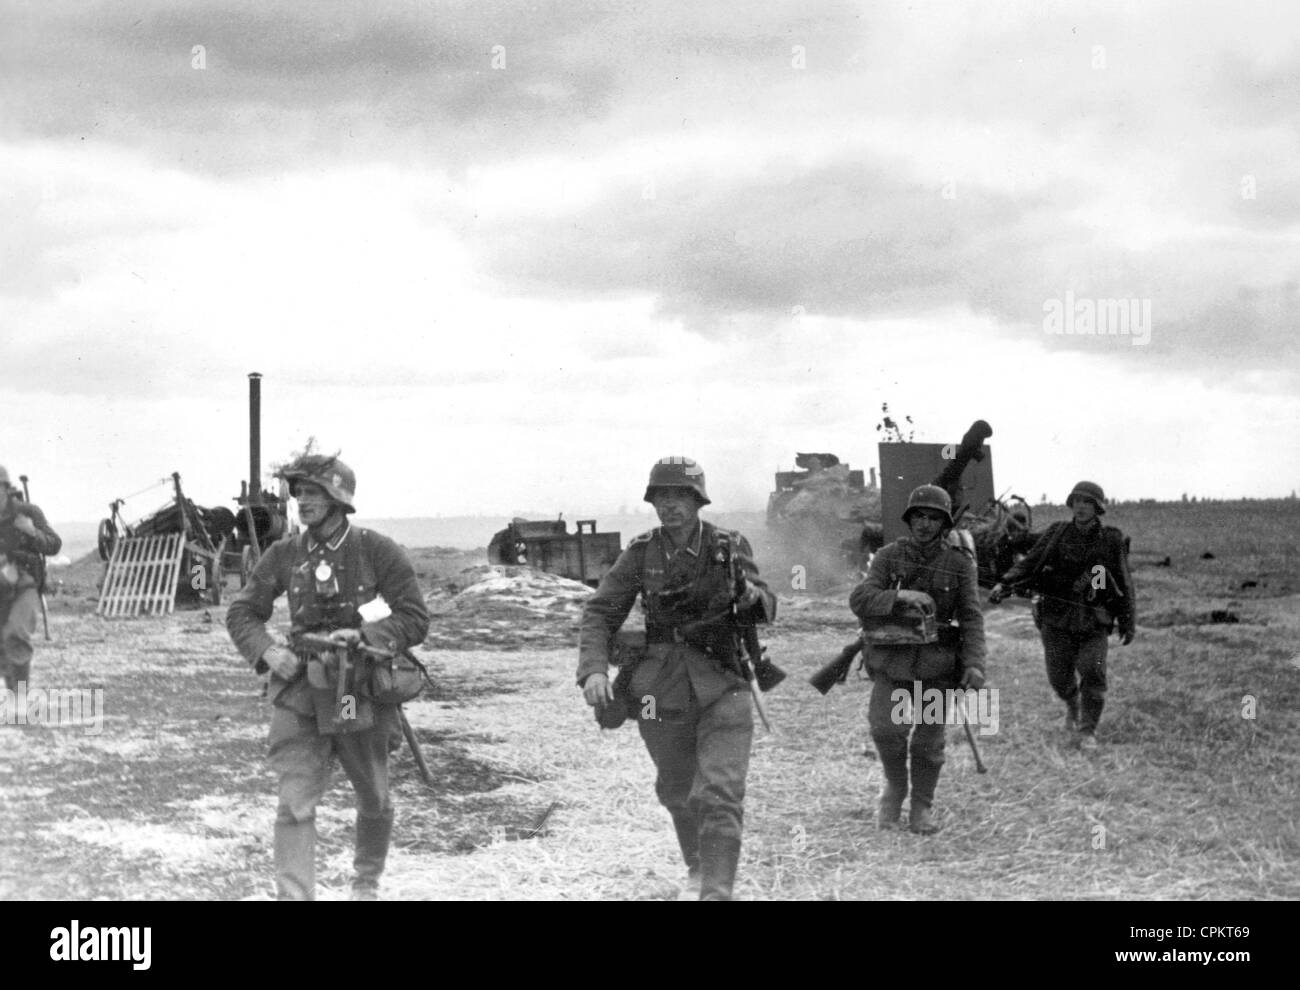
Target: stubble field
(1188, 797)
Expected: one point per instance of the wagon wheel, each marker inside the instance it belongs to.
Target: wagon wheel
(107, 538)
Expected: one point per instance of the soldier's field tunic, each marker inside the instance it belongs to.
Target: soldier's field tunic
(948, 575)
(700, 723)
(1074, 632)
(366, 565)
(20, 600)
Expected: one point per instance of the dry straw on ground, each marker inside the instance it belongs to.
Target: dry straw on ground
(1188, 798)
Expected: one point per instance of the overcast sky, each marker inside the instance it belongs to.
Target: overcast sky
(505, 255)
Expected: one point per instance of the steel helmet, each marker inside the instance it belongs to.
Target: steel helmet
(338, 480)
(677, 472)
(929, 497)
(1091, 491)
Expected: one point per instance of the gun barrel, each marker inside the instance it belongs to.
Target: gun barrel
(316, 641)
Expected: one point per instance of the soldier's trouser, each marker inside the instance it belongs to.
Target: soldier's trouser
(301, 757)
(702, 756)
(891, 723)
(16, 634)
(1070, 654)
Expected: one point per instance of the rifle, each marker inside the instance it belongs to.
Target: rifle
(760, 673)
(347, 659)
(837, 671)
(40, 575)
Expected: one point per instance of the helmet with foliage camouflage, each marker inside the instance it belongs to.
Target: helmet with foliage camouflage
(677, 472)
(929, 497)
(338, 480)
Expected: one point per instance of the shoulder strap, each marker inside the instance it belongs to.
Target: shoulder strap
(645, 537)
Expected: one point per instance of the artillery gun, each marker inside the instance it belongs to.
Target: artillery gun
(829, 506)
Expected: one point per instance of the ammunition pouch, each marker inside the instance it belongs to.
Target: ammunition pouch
(394, 680)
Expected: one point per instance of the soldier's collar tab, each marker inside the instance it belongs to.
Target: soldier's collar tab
(333, 544)
(692, 545)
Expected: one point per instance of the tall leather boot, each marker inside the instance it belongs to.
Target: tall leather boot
(719, 857)
(688, 838)
(687, 826)
(372, 851)
(893, 762)
(295, 861)
(925, 777)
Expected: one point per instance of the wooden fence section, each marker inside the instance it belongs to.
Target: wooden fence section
(142, 576)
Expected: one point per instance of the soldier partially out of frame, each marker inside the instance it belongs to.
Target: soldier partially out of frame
(24, 537)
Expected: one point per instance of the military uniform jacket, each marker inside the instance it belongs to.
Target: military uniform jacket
(365, 564)
(947, 574)
(1060, 566)
(678, 589)
(24, 551)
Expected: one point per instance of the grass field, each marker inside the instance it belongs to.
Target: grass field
(1188, 798)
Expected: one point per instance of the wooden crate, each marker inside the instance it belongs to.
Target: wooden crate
(142, 576)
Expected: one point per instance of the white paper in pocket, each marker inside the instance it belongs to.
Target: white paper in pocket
(374, 610)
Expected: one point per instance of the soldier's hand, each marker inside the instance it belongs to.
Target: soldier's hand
(597, 690)
(751, 596)
(346, 637)
(997, 594)
(1125, 637)
(25, 526)
(972, 678)
(907, 599)
(284, 663)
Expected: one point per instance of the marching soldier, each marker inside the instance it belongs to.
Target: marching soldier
(688, 693)
(919, 576)
(1080, 569)
(329, 572)
(25, 537)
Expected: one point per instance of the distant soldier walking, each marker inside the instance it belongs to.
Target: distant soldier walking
(25, 537)
(329, 572)
(1080, 569)
(920, 612)
(688, 694)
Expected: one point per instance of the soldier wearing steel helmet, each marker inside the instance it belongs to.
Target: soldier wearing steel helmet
(919, 607)
(690, 699)
(24, 537)
(1079, 568)
(329, 572)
